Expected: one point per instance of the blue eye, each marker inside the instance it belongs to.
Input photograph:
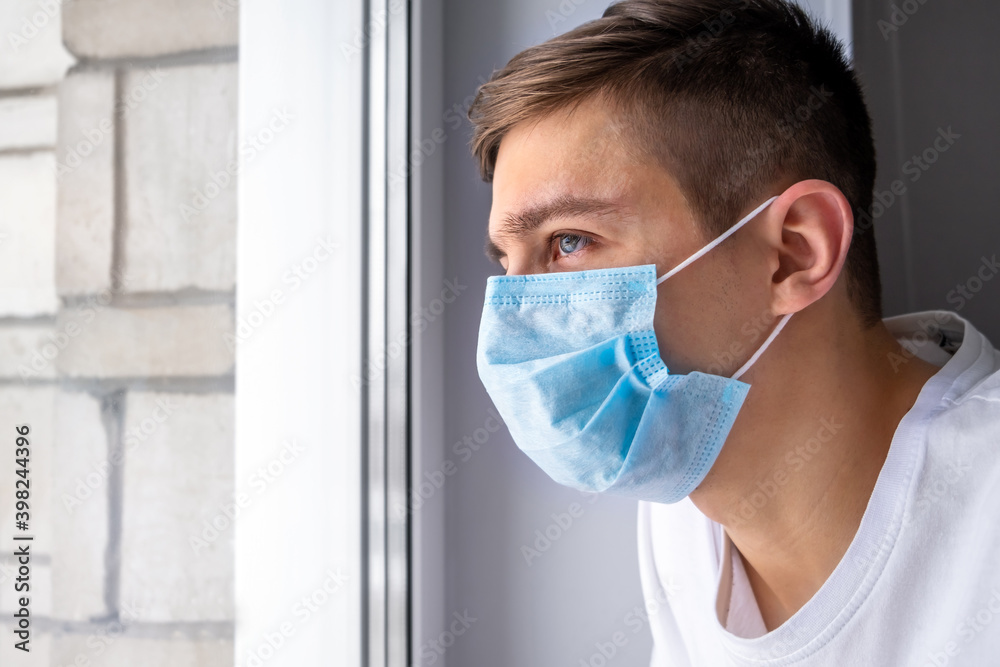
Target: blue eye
(570, 243)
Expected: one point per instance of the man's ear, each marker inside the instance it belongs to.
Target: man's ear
(816, 228)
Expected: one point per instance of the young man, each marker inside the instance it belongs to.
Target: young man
(838, 503)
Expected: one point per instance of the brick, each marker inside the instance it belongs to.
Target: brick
(139, 342)
(26, 352)
(27, 235)
(85, 154)
(35, 407)
(93, 28)
(176, 139)
(80, 508)
(125, 651)
(28, 122)
(178, 475)
(33, 52)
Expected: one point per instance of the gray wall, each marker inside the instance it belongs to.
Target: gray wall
(938, 69)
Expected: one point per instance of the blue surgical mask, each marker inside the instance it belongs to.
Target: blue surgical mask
(571, 361)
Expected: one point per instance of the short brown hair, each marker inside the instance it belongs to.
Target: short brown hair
(727, 96)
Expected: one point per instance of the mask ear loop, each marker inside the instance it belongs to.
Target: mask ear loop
(760, 350)
(729, 232)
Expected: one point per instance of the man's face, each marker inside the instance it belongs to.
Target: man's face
(569, 194)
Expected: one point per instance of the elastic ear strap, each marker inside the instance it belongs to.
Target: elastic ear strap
(760, 350)
(729, 232)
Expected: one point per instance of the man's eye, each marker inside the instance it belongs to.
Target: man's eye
(570, 243)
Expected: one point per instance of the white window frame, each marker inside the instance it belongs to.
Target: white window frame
(322, 529)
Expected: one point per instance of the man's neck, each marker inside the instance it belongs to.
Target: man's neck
(794, 478)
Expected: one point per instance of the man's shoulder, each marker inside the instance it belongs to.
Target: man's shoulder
(962, 435)
(970, 401)
(969, 363)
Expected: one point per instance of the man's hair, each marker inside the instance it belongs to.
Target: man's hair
(728, 96)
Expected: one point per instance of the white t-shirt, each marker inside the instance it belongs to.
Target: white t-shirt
(920, 582)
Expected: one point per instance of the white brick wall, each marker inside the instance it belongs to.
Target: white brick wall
(138, 342)
(24, 352)
(31, 49)
(130, 652)
(178, 475)
(27, 234)
(31, 55)
(177, 142)
(27, 122)
(80, 508)
(85, 223)
(84, 239)
(93, 28)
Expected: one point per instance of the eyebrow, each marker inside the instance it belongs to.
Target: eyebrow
(522, 223)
